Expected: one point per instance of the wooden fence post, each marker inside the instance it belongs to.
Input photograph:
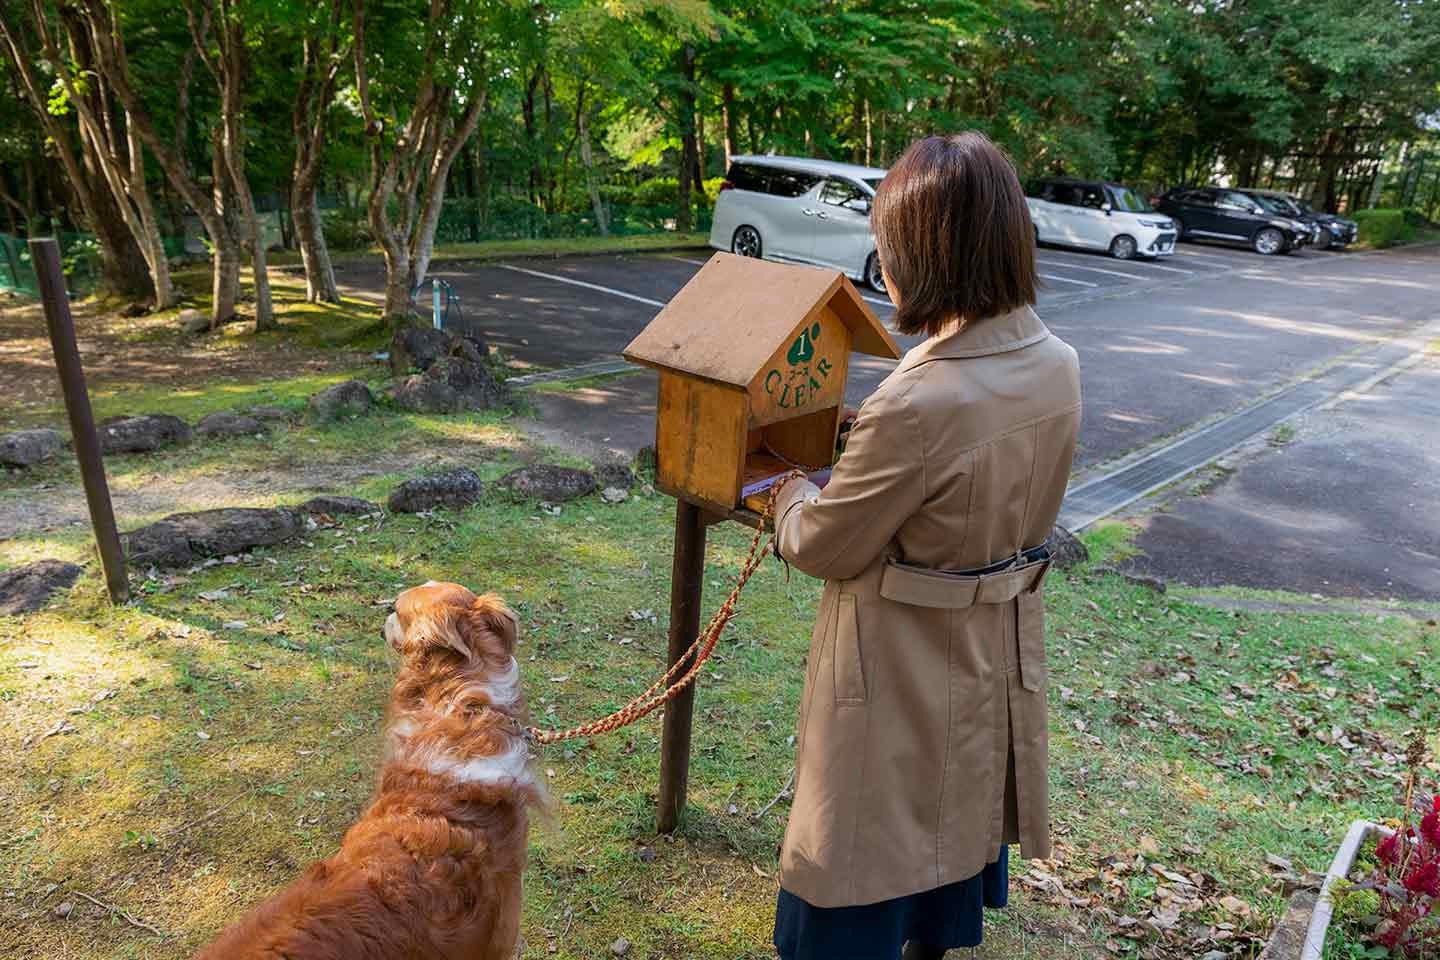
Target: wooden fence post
(687, 581)
(45, 254)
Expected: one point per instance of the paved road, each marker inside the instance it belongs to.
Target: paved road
(1350, 506)
(1163, 346)
(1160, 349)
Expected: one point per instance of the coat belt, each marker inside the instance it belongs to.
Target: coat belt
(923, 587)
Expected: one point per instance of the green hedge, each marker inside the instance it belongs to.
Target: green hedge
(660, 192)
(1383, 228)
(648, 207)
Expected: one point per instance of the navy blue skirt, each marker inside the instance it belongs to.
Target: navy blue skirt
(944, 918)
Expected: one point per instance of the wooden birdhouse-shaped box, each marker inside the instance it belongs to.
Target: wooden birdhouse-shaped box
(753, 358)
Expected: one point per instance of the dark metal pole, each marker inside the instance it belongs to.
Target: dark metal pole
(687, 579)
(45, 254)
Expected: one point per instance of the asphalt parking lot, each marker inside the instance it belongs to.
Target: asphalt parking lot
(1165, 347)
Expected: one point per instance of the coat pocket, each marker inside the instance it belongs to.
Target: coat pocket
(849, 668)
(1030, 628)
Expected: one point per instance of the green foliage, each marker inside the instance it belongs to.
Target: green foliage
(346, 229)
(1382, 228)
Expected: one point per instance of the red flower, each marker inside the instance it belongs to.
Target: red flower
(1387, 850)
(1424, 878)
(1430, 826)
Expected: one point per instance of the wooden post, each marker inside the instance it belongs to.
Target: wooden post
(687, 580)
(45, 254)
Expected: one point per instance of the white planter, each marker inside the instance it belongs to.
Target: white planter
(1314, 943)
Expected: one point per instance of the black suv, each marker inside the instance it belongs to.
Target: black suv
(1233, 216)
(1335, 232)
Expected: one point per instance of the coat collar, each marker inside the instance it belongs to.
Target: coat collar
(1001, 334)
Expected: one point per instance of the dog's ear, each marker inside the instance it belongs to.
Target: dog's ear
(438, 632)
(491, 627)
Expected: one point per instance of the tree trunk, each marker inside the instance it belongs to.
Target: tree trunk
(728, 120)
(857, 124)
(121, 162)
(106, 40)
(683, 220)
(421, 153)
(527, 111)
(225, 259)
(397, 283)
(602, 221)
(310, 236)
(313, 94)
(151, 243)
(472, 184)
(869, 135)
(230, 70)
(700, 151)
(122, 262)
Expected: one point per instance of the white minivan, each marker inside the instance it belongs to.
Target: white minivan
(804, 211)
(1098, 215)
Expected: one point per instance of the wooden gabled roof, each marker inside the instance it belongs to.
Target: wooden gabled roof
(736, 312)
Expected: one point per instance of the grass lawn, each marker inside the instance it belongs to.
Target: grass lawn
(179, 758)
(223, 730)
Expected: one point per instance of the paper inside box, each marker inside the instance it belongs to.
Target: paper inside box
(761, 471)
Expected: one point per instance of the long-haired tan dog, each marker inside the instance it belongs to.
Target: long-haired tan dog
(432, 869)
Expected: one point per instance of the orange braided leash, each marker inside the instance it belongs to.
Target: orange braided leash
(654, 697)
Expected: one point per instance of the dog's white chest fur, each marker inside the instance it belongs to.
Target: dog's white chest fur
(512, 765)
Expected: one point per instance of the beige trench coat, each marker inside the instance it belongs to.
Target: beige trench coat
(922, 738)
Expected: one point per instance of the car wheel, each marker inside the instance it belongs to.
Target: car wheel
(1123, 247)
(1268, 242)
(746, 242)
(874, 276)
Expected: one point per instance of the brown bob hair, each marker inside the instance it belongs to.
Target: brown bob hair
(954, 234)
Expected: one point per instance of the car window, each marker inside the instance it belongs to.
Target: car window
(844, 193)
(791, 183)
(1092, 196)
(1068, 194)
(1277, 204)
(1230, 200)
(1128, 200)
(1039, 189)
(875, 182)
(1288, 206)
(747, 176)
(1197, 198)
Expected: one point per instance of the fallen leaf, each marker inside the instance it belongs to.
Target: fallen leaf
(1232, 904)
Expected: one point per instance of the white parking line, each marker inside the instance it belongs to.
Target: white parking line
(1190, 251)
(1152, 265)
(581, 283)
(878, 301)
(1114, 273)
(1078, 283)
